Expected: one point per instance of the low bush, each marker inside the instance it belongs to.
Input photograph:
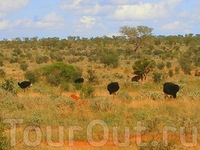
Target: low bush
(87, 91)
(8, 85)
(59, 72)
(32, 76)
(4, 142)
(102, 104)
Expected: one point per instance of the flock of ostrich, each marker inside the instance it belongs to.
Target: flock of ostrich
(170, 89)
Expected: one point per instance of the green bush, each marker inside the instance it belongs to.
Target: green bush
(8, 85)
(185, 64)
(42, 59)
(141, 64)
(168, 65)
(24, 66)
(17, 51)
(13, 60)
(60, 72)
(92, 77)
(110, 59)
(78, 86)
(161, 65)
(157, 77)
(87, 91)
(32, 76)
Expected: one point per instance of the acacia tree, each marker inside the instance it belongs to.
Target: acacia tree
(138, 35)
(142, 67)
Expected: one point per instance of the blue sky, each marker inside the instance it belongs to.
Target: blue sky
(92, 18)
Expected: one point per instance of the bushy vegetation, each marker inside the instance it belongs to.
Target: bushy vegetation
(110, 59)
(9, 85)
(59, 73)
(4, 142)
(2, 73)
(53, 64)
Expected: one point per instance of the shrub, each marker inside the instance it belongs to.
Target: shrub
(78, 86)
(110, 59)
(29, 55)
(1, 63)
(60, 72)
(65, 86)
(170, 73)
(87, 92)
(14, 60)
(177, 69)
(124, 97)
(35, 119)
(161, 65)
(140, 66)
(168, 65)
(4, 142)
(17, 51)
(102, 104)
(32, 76)
(2, 73)
(157, 77)
(92, 77)
(24, 66)
(41, 59)
(157, 52)
(8, 85)
(185, 64)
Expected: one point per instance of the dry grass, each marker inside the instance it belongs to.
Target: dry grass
(44, 105)
(55, 110)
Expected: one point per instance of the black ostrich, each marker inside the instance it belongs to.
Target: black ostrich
(170, 89)
(113, 87)
(79, 80)
(24, 85)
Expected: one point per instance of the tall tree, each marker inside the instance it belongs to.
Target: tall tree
(138, 35)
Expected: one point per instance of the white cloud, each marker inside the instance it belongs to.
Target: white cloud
(4, 25)
(50, 21)
(53, 17)
(171, 26)
(141, 11)
(71, 4)
(178, 26)
(123, 2)
(173, 3)
(9, 6)
(88, 20)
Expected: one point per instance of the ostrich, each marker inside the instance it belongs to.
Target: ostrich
(79, 80)
(24, 85)
(113, 87)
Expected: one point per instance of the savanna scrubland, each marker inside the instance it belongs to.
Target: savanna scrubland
(46, 110)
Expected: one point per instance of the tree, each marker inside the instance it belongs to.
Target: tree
(142, 67)
(138, 35)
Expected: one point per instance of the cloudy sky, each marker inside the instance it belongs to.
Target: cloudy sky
(92, 18)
